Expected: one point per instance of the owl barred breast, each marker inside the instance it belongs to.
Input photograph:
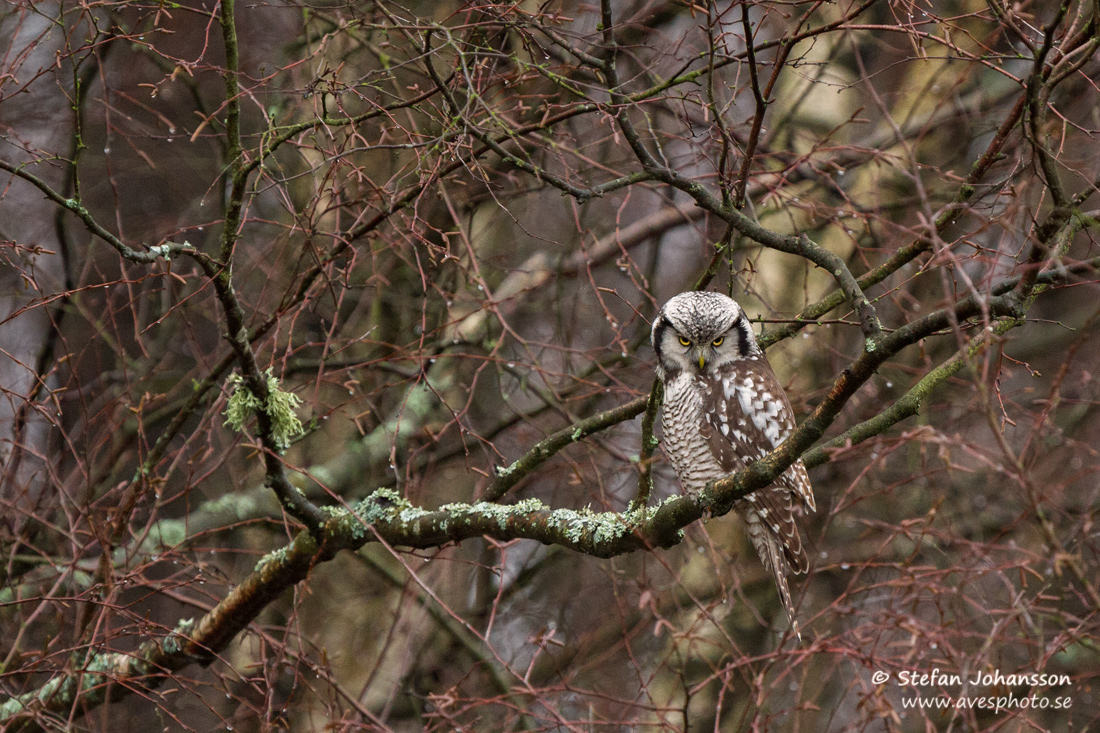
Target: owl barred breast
(724, 409)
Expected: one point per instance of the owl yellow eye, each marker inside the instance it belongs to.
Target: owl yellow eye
(684, 341)
(718, 341)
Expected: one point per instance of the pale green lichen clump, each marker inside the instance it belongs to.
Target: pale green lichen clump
(603, 526)
(498, 513)
(96, 671)
(273, 556)
(386, 504)
(242, 405)
(344, 522)
(174, 642)
(578, 526)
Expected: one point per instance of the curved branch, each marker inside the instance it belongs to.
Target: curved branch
(509, 476)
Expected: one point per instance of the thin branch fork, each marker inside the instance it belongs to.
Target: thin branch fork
(800, 245)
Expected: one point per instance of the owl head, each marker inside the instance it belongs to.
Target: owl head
(700, 332)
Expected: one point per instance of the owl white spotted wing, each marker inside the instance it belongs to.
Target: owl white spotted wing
(747, 416)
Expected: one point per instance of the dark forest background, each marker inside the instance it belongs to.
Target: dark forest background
(444, 228)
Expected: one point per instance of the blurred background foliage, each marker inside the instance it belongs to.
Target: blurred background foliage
(449, 249)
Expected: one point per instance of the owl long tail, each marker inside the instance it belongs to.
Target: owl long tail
(776, 554)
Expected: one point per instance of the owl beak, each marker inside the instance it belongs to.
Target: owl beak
(702, 360)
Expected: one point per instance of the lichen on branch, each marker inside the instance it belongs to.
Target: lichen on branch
(279, 406)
